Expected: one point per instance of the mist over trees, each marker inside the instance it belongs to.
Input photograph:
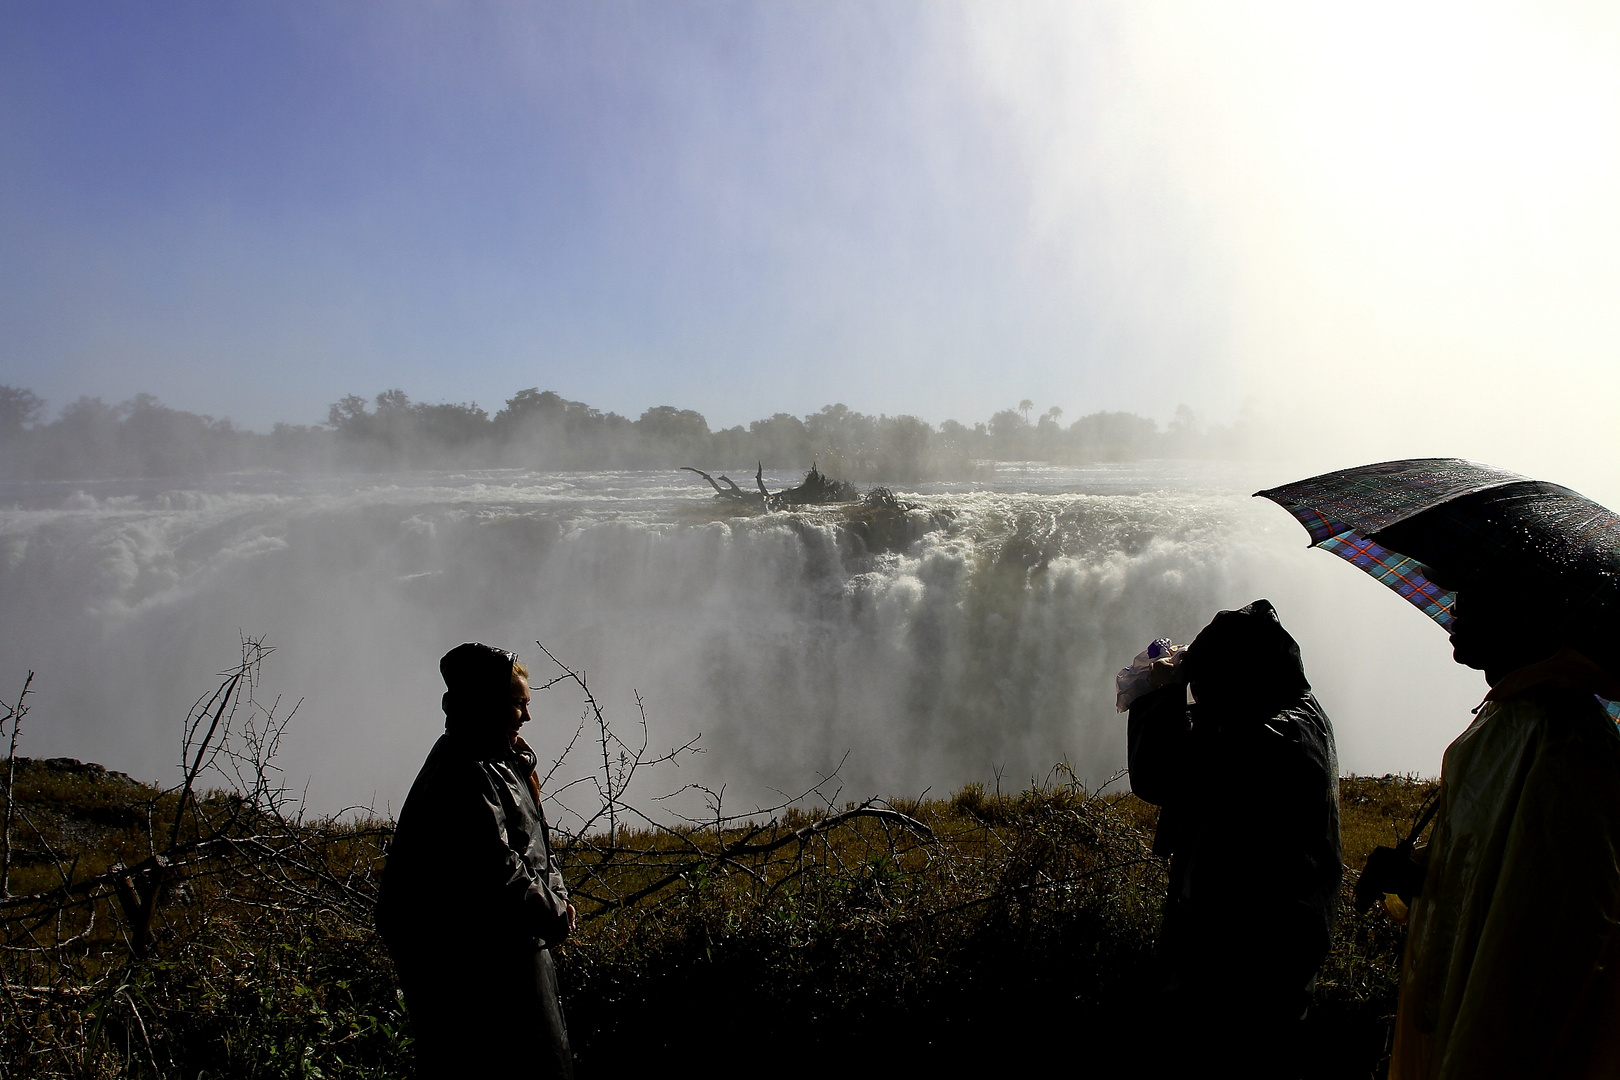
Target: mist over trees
(539, 429)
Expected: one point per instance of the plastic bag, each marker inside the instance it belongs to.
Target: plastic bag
(1137, 679)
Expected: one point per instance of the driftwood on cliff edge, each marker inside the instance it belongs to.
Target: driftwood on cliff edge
(817, 489)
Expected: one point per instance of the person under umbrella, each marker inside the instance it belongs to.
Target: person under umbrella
(1237, 988)
(1513, 957)
(1512, 965)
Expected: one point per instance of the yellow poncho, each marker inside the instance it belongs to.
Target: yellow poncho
(1513, 960)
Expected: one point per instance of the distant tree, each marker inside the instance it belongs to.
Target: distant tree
(18, 409)
(1024, 407)
(450, 425)
(290, 440)
(83, 441)
(90, 414)
(395, 422)
(393, 401)
(831, 429)
(957, 448)
(667, 423)
(1112, 436)
(161, 441)
(781, 441)
(959, 435)
(668, 434)
(1049, 444)
(735, 445)
(348, 415)
(542, 429)
(846, 443)
(1009, 436)
(906, 442)
(1007, 424)
(531, 406)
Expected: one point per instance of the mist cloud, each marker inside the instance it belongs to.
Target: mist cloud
(1406, 215)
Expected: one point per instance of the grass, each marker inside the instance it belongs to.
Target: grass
(1025, 921)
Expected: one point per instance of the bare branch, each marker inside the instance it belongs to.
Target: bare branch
(14, 713)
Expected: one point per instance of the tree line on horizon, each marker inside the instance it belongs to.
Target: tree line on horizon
(538, 429)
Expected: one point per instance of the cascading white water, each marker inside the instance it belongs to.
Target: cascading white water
(984, 641)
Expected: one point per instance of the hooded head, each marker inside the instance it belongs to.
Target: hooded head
(480, 681)
(1244, 660)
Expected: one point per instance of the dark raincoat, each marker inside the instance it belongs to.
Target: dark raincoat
(1248, 781)
(471, 898)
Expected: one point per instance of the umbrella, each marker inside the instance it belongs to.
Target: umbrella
(1396, 519)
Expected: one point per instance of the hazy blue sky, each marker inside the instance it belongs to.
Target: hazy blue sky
(1392, 228)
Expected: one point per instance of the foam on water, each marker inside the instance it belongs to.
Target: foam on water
(987, 641)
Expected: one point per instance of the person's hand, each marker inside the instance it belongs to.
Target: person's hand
(573, 918)
(1163, 673)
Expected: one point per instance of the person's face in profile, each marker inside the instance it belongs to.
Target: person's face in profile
(1471, 625)
(1495, 630)
(515, 713)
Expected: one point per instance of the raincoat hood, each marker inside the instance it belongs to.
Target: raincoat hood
(1244, 661)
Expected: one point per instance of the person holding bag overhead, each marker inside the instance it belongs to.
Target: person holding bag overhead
(1254, 880)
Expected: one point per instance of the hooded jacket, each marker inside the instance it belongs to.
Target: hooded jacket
(1248, 781)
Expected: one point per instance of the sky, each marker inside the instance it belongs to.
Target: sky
(1378, 230)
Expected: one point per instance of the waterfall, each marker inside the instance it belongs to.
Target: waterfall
(978, 638)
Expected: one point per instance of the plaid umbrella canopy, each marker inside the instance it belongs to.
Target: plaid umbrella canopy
(1466, 520)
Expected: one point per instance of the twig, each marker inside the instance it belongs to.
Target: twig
(14, 713)
(223, 696)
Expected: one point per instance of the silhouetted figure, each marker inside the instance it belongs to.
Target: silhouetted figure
(1248, 780)
(471, 898)
(1513, 949)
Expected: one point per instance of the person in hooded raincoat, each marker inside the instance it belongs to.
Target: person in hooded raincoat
(1247, 777)
(1512, 965)
(472, 900)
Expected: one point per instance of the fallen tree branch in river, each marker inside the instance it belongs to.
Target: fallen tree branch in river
(817, 489)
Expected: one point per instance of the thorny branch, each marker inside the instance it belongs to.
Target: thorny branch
(614, 780)
(14, 714)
